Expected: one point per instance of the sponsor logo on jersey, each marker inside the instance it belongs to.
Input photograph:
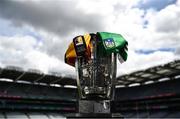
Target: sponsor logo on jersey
(109, 43)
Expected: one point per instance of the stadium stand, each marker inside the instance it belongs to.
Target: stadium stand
(30, 94)
(29, 91)
(159, 99)
(36, 98)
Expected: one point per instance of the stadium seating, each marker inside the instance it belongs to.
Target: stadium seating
(156, 100)
(36, 91)
(33, 91)
(149, 90)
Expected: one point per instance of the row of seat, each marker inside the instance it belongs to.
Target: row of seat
(152, 114)
(149, 90)
(37, 91)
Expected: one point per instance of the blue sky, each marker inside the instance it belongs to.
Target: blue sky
(155, 4)
(150, 51)
(7, 29)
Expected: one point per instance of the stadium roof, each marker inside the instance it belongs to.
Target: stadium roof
(150, 75)
(34, 76)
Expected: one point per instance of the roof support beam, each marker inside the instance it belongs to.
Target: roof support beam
(55, 81)
(172, 68)
(1, 70)
(40, 78)
(20, 76)
(138, 77)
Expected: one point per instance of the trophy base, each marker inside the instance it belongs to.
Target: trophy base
(94, 115)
